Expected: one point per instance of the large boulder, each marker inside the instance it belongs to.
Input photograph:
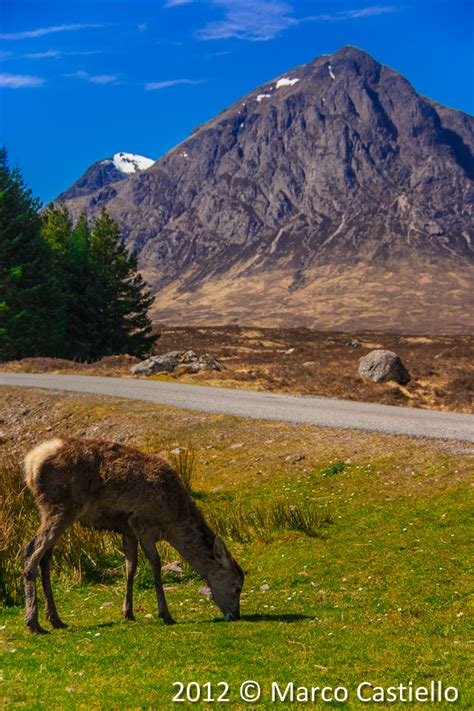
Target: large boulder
(381, 365)
(178, 362)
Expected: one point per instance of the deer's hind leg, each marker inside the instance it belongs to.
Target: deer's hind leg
(130, 548)
(46, 536)
(51, 611)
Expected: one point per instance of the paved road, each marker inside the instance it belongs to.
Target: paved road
(321, 411)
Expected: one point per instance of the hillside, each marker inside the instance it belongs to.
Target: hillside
(334, 196)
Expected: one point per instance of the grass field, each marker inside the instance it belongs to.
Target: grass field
(378, 593)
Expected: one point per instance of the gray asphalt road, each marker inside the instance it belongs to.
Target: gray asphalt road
(320, 411)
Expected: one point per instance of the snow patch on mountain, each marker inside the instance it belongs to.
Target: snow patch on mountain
(286, 81)
(131, 162)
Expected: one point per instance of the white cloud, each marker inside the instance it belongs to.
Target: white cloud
(176, 3)
(19, 81)
(41, 31)
(260, 20)
(80, 74)
(56, 54)
(254, 20)
(102, 78)
(93, 78)
(51, 53)
(156, 85)
(369, 11)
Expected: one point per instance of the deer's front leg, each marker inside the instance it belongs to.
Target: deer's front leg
(130, 548)
(149, 548)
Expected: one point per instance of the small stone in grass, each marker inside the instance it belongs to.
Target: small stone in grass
(265, 586)
(107, 604)
(205, 591)
(295, 458)
(173, 567)
(149, 616)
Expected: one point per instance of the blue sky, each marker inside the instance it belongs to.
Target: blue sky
(81, 80)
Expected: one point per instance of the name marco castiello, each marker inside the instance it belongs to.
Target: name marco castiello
(365, 692)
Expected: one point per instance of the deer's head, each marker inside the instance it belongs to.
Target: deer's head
(226, 579)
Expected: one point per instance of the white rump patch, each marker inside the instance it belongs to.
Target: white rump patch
(37, 456)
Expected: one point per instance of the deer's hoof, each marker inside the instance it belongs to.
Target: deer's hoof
(129, 616)
(169, 621)
(57, 623)
(36, 629)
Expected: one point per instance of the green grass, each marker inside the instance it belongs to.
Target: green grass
(379, 595)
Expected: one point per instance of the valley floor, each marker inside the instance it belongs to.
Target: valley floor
(307, 362)
(379, 593)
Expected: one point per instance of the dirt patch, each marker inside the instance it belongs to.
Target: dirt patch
(230, 450)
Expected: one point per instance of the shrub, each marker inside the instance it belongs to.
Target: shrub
(335, 468)
(183, 460)
(245, 523)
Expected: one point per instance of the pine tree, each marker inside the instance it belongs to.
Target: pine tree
(56, 229)
(30, 310)
(125, 325)
(105, 299)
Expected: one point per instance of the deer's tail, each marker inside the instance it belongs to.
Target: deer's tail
(37, 456)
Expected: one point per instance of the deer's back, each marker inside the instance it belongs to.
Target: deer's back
(105, 481)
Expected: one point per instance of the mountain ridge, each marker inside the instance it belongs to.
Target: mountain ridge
(336, 169)
(106, 172)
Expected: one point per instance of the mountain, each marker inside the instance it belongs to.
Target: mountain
(105, 172)
(333, 196)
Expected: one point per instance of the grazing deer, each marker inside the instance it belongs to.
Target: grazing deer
(109, 486)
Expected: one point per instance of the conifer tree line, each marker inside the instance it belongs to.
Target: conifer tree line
(66, 290)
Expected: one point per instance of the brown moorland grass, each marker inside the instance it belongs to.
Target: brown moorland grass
(307, 362)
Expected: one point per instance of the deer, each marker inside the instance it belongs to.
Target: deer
(110, 486)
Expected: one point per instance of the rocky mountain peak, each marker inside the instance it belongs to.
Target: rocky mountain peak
(104, 172)
(334, 174)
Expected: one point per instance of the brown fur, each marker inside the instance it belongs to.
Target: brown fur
(105, 485)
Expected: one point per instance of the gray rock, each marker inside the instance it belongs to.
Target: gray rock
(164, 363)
(381, 366)
(178, 362)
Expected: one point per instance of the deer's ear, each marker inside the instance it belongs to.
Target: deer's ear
(221, 554)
